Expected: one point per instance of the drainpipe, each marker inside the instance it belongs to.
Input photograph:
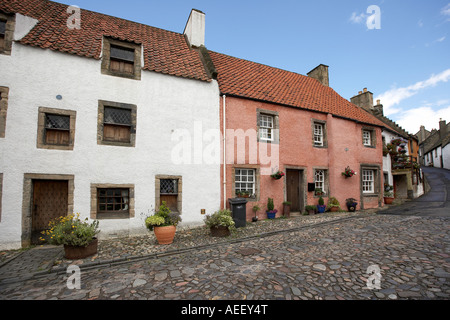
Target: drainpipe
(224, 154)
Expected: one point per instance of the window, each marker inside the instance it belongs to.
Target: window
(121, 59)
(266, 127)
(56, 129)
(169, 189)
(117, 124)
(319, 180)
(3, 109)
(318, 135)
(367, 138)
(7, 26)
(244, 180)
(112, 201)
(2, 32)
(368, 179)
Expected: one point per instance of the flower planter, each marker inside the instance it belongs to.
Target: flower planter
(388, 200)
(287, 210)
(334, 209)
(321, 209)
(271, 214)
(352, 207)
(220, 231)
(76, 252)
(165, 235)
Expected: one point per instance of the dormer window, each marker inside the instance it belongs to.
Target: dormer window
(7, 25)
(121, 59)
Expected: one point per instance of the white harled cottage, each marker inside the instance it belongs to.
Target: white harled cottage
(104, 117)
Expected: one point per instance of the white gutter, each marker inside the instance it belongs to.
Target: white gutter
(224, 154)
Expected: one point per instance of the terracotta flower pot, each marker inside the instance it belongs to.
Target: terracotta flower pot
(220, 231)
(76, 252)
(165, 235)
(388, 200)
(334, 209)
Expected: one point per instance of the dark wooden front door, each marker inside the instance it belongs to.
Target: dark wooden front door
(50, 201)
(294, 189)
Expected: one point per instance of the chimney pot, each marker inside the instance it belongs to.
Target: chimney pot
(365, 89)
(378, 102)
(359, 92)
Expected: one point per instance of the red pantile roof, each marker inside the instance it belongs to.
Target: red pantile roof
(247, 79)
(164, 51)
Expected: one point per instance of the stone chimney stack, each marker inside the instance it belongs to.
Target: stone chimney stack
(364, 100)
(442, 128)
(378, 109)
(320, 73)
(195, 29)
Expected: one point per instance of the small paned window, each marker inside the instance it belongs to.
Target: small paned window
(367, 140)
(244, 180)
(266, 127)
(319, 180)
(368, 181)
(122, 59)
(113, 200)
(117, 124)
(318, 135)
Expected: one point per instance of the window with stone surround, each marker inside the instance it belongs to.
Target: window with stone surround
(112, 201)
(121, 59)
(56, 129)
(370, 180)
(116, 124)
(320, 181)
(7, 25)
(3, 110)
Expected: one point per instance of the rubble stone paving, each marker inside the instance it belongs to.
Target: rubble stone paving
(324, 262)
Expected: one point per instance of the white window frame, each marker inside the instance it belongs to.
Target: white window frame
(242, 176)
(266, 127)
(319, 179)
(368, 181)
(318, 134)
(367, 138)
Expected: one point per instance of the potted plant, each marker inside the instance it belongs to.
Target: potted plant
(220, 223)
(78, 237)
(388, 194)
(271, 212)
(287, 209)
(310, 209)
(277, 175)
(255, 209)
(348, 173)
(318, 192)
(351, 204)
(333, 204)
(321, 206)
(164, 224)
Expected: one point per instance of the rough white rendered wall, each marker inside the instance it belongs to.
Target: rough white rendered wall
(164, 104)
(446, 156)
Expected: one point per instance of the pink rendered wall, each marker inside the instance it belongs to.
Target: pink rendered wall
(296, 149)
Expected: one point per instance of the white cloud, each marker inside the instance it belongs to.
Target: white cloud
(358, 18)
(441, 39)
(446, 10)
(412, 119)
(420, 23)
(394, 96)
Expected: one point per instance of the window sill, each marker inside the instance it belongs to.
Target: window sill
(112, 215)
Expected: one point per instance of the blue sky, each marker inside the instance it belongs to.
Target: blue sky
(405, 62)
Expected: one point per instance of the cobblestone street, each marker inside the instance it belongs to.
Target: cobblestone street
(318, 262)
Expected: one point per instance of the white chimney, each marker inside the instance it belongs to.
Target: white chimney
(195, 29)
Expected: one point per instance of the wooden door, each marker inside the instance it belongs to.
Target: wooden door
(294, 189)
(50, 201)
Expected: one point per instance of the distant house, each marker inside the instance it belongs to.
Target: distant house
(400, 151)
(275, 120)
(435, 146)
(88, 117)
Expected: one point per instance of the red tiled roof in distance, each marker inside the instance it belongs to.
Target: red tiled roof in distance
(252, 80)
(164, 51)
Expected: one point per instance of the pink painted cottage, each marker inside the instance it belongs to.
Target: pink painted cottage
(274, 120)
